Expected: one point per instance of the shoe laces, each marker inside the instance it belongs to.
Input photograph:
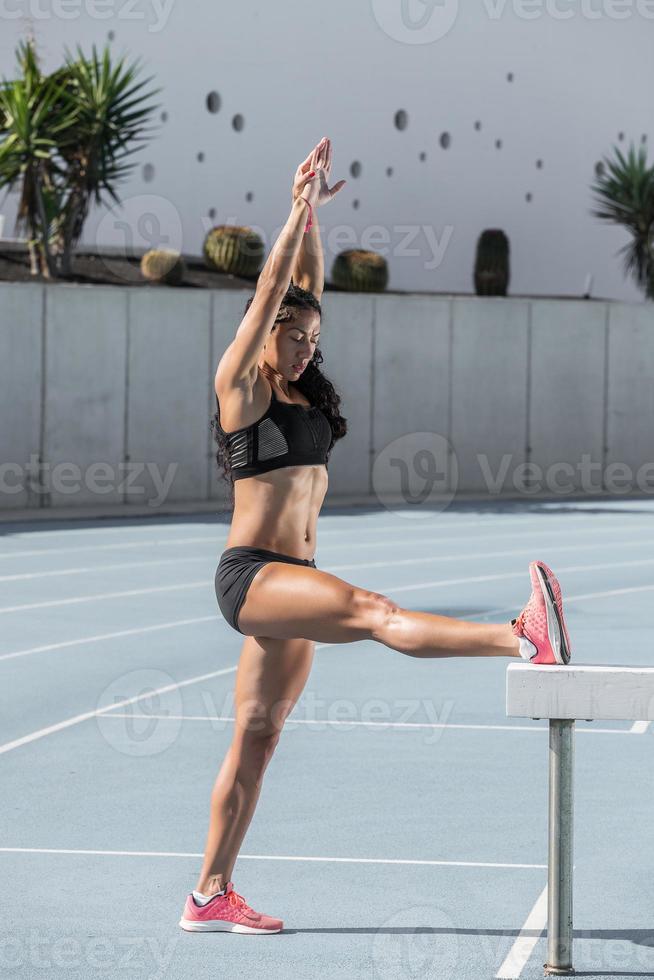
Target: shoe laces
(519, 625)
(237, 900)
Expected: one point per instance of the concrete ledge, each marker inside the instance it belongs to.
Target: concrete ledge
(588, 691)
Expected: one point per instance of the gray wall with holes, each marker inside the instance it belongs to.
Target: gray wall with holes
(110, 394)
(447, 118)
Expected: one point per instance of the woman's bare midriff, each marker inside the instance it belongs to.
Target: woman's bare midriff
(279, 510)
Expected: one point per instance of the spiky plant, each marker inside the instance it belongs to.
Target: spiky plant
(66, 137)
(624, 193)
(492, 267)
(163, 265)
(360, 270)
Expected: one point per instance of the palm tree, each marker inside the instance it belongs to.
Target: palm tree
(65, 138)
(624, 192)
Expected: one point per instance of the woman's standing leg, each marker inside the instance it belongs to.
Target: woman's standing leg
(270, 677)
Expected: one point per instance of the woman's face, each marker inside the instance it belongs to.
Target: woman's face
(291, 345)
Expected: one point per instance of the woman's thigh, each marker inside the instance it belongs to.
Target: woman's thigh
(270, 677)
(285, 601)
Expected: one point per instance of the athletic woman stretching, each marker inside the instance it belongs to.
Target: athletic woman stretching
(276, 423)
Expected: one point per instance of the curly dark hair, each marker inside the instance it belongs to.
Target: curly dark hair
(312, 383)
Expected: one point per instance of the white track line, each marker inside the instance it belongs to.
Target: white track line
(413, 587)
(82, 641)
(270, 857)
(100, 596)
(455, 519)
(383, 724)
(77, 719)
(91, 714)
(89, 569)
(167, 542)
(437, 583)
(525, 942)
(430, 559)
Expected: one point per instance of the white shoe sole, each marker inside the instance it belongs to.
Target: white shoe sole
(554, 627)
(220, 925)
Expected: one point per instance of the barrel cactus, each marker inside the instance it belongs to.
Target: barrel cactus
(163, 265)
(360, 271)
(235, 250)
(492, 263)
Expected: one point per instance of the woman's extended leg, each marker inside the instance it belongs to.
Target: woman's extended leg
(270, 677)
(293, 600)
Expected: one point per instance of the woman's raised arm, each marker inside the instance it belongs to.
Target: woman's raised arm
(238, 364)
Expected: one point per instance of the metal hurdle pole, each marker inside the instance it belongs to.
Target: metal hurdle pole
(559, 867)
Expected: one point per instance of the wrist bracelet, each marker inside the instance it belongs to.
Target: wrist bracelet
(310, 221)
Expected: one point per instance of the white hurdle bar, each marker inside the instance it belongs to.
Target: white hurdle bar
(563, 694)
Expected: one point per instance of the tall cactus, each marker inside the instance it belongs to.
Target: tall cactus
(235, 250)
(360, 271)
(492, 271)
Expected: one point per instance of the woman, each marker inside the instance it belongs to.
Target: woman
(277, 420)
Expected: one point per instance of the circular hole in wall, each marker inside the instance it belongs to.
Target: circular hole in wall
(148, 172)
(422, 157)
(401, 119)
(498, 144)
(355, 203)
(509, 77)
(238, 122)
(620, 136)
(389, 171)
(599, 168)
(528, 196)
(477, 125)
(355, 168)
(111, 35)
(249, 196)
(539, 164)
(212, 212)
(200, 156)
(643, 138)
(445, 139)
(213, 102)
(164, 116)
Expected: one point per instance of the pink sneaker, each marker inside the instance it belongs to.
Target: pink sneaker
(226, 913)
(541, 622)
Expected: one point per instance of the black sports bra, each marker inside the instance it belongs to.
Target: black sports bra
(285, 435)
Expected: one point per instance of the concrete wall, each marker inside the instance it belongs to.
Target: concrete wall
(112, 390)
